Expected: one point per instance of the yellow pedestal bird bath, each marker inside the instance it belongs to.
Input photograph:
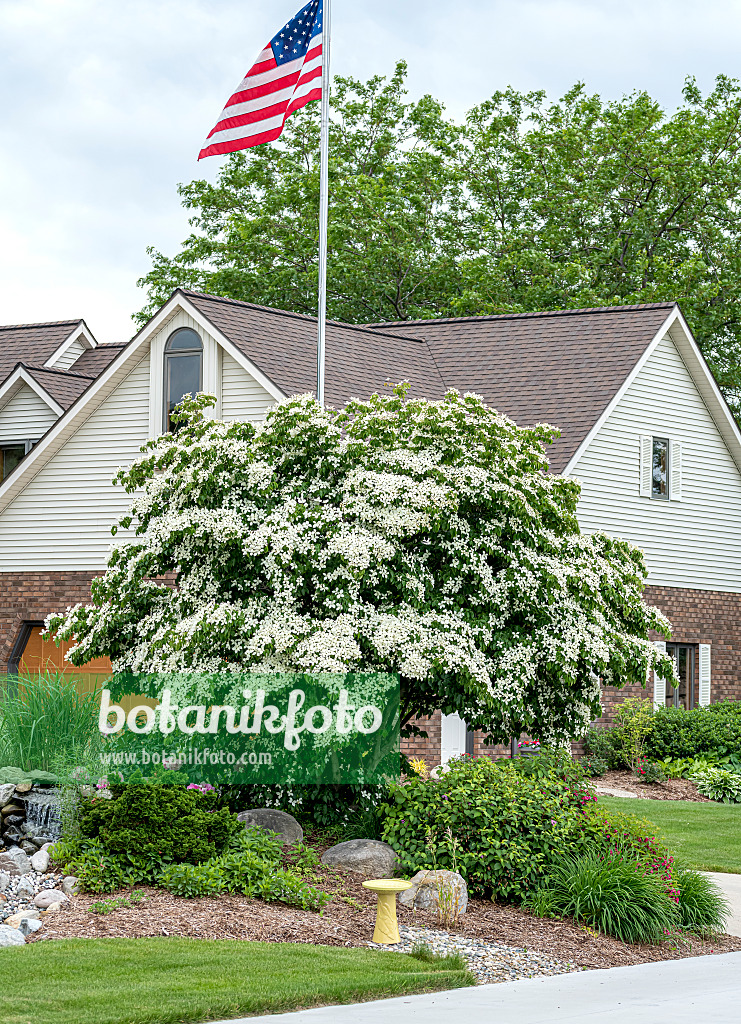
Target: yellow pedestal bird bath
(387, 928)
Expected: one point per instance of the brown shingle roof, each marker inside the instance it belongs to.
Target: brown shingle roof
(562, 368)
(93, 361)
(32, 343)
(64, 386)
(359, 360)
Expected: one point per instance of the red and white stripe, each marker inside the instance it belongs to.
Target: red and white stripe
(268, 94)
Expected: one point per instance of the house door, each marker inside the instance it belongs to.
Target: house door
(452, 737)
(684, 694)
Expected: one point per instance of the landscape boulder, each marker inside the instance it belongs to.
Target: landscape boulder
(69, 885)
(40, 862)
(15, 862)
(31, 913)
(270, 820)
(10, 936)
(7, 792)
(4, 879)
(437, 891)
(48, 896)
(368, 857)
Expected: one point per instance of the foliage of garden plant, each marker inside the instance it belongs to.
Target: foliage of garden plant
(702, 744)
(531, 832)
(45, 716)
(404, 535)
(530, 204)
(179, 839)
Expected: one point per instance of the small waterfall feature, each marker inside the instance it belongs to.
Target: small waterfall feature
(44, 813)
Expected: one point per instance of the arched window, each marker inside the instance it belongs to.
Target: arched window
(183, 369)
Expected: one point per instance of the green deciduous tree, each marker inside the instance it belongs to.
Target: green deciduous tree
(528, 205)
(424, 538)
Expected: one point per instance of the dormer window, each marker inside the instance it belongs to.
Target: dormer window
(183, 369)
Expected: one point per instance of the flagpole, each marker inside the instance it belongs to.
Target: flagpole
(323, 204)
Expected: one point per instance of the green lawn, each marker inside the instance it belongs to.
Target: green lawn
(702, 836)
(164, 981)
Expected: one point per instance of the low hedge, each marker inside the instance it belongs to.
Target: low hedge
(714, 730)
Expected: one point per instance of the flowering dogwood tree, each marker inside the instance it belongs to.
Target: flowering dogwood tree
(419, 537)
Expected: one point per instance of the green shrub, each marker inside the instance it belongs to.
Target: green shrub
(611, 893)
(702, 906)
(678, 733)
(166, 823)
(717, 784)
(504, 821)
(45, 717)
(649, 771)
(606, 742)
(594, 766)
(634, 717)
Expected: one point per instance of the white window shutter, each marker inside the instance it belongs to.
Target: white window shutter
(675, 471)
(646, 460)
(704, 674)
(659, 683)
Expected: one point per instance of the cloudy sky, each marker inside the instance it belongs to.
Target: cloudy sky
(105, 104)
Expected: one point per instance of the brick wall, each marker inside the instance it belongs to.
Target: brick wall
(29, 597)
(697, 617)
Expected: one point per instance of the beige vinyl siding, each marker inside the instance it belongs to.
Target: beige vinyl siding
(68, 358)
(695, 542)
(242, 398)
(62, 519)
(25, 416)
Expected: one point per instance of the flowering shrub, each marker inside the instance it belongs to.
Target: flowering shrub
(648, 771)
(501, 824)
(594, 766)
(418, 537)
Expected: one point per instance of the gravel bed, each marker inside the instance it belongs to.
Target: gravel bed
(11, 902)
(488, 961)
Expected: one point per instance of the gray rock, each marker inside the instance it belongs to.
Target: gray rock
(13, 834)
(6, 793)
(29, 914)
(270, 820)
(4, 880)
(69, 885)
(28, 847)
(26, 889)
(10, 936)
(48, 896)
(15, 819)
(49, 848)
(437, 891)
(368, 857)
(15, 862)
(40, 861)
(29, 925)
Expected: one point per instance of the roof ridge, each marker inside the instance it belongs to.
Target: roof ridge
(532, 314)
(46, 323)
(367, 328)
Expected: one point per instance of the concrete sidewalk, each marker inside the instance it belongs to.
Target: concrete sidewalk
(731, 886)
(697, 990)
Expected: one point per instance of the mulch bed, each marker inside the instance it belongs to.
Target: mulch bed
(671, 789)
(348, 921)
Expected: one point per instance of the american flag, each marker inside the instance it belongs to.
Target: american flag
(286, 76)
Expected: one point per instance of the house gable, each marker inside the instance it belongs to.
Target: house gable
(694, 542)
(26, 411)
(72, 468)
